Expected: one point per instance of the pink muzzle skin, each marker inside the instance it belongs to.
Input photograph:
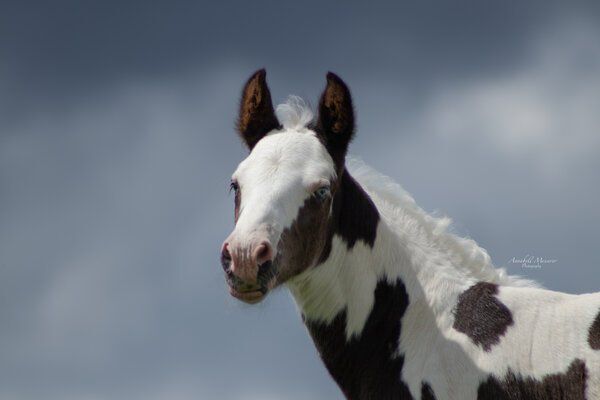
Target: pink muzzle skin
(243, 266)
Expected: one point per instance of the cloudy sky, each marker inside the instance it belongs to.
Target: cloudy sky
(117, 143)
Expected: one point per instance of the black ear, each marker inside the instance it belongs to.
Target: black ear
(336, 118)
(257, 117)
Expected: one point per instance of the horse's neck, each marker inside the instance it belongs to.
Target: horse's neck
(355, 304)
(367, 250)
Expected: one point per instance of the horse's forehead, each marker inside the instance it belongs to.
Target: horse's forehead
(288, 155)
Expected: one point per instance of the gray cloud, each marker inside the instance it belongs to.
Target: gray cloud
(116, 145)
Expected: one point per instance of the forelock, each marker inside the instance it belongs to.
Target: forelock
(294, 114)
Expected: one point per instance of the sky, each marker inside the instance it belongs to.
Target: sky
(117, 144)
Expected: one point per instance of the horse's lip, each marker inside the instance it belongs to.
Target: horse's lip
(250, 297)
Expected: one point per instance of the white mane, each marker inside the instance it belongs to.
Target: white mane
(294, 114)
(468, 254)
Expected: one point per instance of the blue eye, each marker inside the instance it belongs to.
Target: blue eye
(322, 193)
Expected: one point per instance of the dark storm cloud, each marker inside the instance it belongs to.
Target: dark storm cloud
(116, 145)
(87, 43)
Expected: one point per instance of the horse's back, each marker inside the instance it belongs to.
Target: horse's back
(549, 351)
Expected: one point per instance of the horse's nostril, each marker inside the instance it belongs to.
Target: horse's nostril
(225, 255)
(226, 259)
(263, 253)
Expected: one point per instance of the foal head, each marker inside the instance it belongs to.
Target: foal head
(286, 188)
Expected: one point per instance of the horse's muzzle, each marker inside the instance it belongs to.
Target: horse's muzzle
(245, 291)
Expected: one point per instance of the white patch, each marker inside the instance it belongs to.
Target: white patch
(278, 176)
(344, 281)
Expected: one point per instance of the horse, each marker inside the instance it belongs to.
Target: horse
(397, 306)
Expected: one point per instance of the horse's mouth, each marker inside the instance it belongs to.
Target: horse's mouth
(251, 293)
(248, 296)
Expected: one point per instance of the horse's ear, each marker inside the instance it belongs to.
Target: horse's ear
(336, 117)
(257, 117)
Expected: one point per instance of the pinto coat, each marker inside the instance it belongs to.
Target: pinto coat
(398, 307)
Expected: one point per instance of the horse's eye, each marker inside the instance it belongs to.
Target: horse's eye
(322, 193)
(233, 186)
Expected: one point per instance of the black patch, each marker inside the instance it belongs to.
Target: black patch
(266, 272)
(237, 201)
(367, 367)
(427, 392)
(304, 242)
(594, 336)
(256, 116)
(481, 316)
(566, 386)
(354, 216)
(335, 123)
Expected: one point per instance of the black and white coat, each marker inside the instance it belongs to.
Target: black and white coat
(398, 307)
